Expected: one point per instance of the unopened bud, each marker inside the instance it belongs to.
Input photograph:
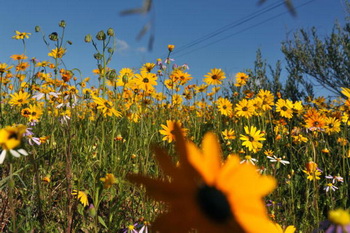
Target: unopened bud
(101, 35)
(53, 36)
(112, 74)
(88, 38)
(37, 28)
(69, 42)
(110, 50)
(92, 210)
(98, 56)
(62, 24)
(110, 32)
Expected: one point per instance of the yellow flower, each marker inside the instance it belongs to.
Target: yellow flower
(146, 81)
(171, 47)
(21, 35)
(252, 139)
(312, 171)
(10, 138)
(213, 196)
(19, 99)
(299, 138)
(4, 68)
(224, 106)
(108, 180)
(34, 113)
(345, 91)
(267, 99)
(285, 108)
(228, 134)
(339, 217)
(147, 67)
(214, 77)
(245, 108)
(57, 52)
(81, 196)
(241, 79)
(106, 107)
(168, 130)
(46, 179)
(289, 229)
(332, 125)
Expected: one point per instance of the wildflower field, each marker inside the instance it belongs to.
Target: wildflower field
(147, 149)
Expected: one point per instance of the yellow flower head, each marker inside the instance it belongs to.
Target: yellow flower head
(10, 136)
(241, 79)
(108, 180)
(57, 52)
(252, 138)
(215, 196)
(339, 217)
(21, 35)
(214, 77)
(289, 229)
(168, 130)
(19, 99)
(171, 47)
(81, 196)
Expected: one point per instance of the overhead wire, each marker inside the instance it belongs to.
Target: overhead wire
(243, 30)
(230, 26)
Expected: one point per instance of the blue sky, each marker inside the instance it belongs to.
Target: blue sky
(177, 22)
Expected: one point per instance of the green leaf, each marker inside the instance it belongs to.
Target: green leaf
(100, 220)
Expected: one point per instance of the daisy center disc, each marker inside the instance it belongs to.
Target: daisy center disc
(214, 203)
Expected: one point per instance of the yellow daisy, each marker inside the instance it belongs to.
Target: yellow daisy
(214, 77)
(252, 139)
(213, 196)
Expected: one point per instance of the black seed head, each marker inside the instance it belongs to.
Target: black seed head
(214, 203)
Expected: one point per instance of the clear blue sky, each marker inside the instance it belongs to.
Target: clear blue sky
(177, 22)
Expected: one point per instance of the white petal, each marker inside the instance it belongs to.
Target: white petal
(2, 156)
(23, 152)
(15, 153)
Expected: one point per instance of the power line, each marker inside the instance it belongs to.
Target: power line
(243, 30)
(229, 26)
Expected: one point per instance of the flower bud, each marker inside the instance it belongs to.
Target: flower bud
(125, 79)
(62, 24)
(112, 74)
(53, 36)
(37, 28)
(171, 47)
(88, 38)
(98, 56)
(101, 35)
(69, 42)
(92, 210)
(110, 32)
(110, 50)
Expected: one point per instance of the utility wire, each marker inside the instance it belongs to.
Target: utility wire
(229, 26)
(243, 30)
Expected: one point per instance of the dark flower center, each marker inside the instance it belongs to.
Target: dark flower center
(284, 108)
(245, 109)
(214, 77)
(214, 203)
(13, 135)
(145, 80)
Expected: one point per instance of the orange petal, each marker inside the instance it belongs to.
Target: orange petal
(212, 157)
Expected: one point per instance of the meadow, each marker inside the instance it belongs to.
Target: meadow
(77, 153)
